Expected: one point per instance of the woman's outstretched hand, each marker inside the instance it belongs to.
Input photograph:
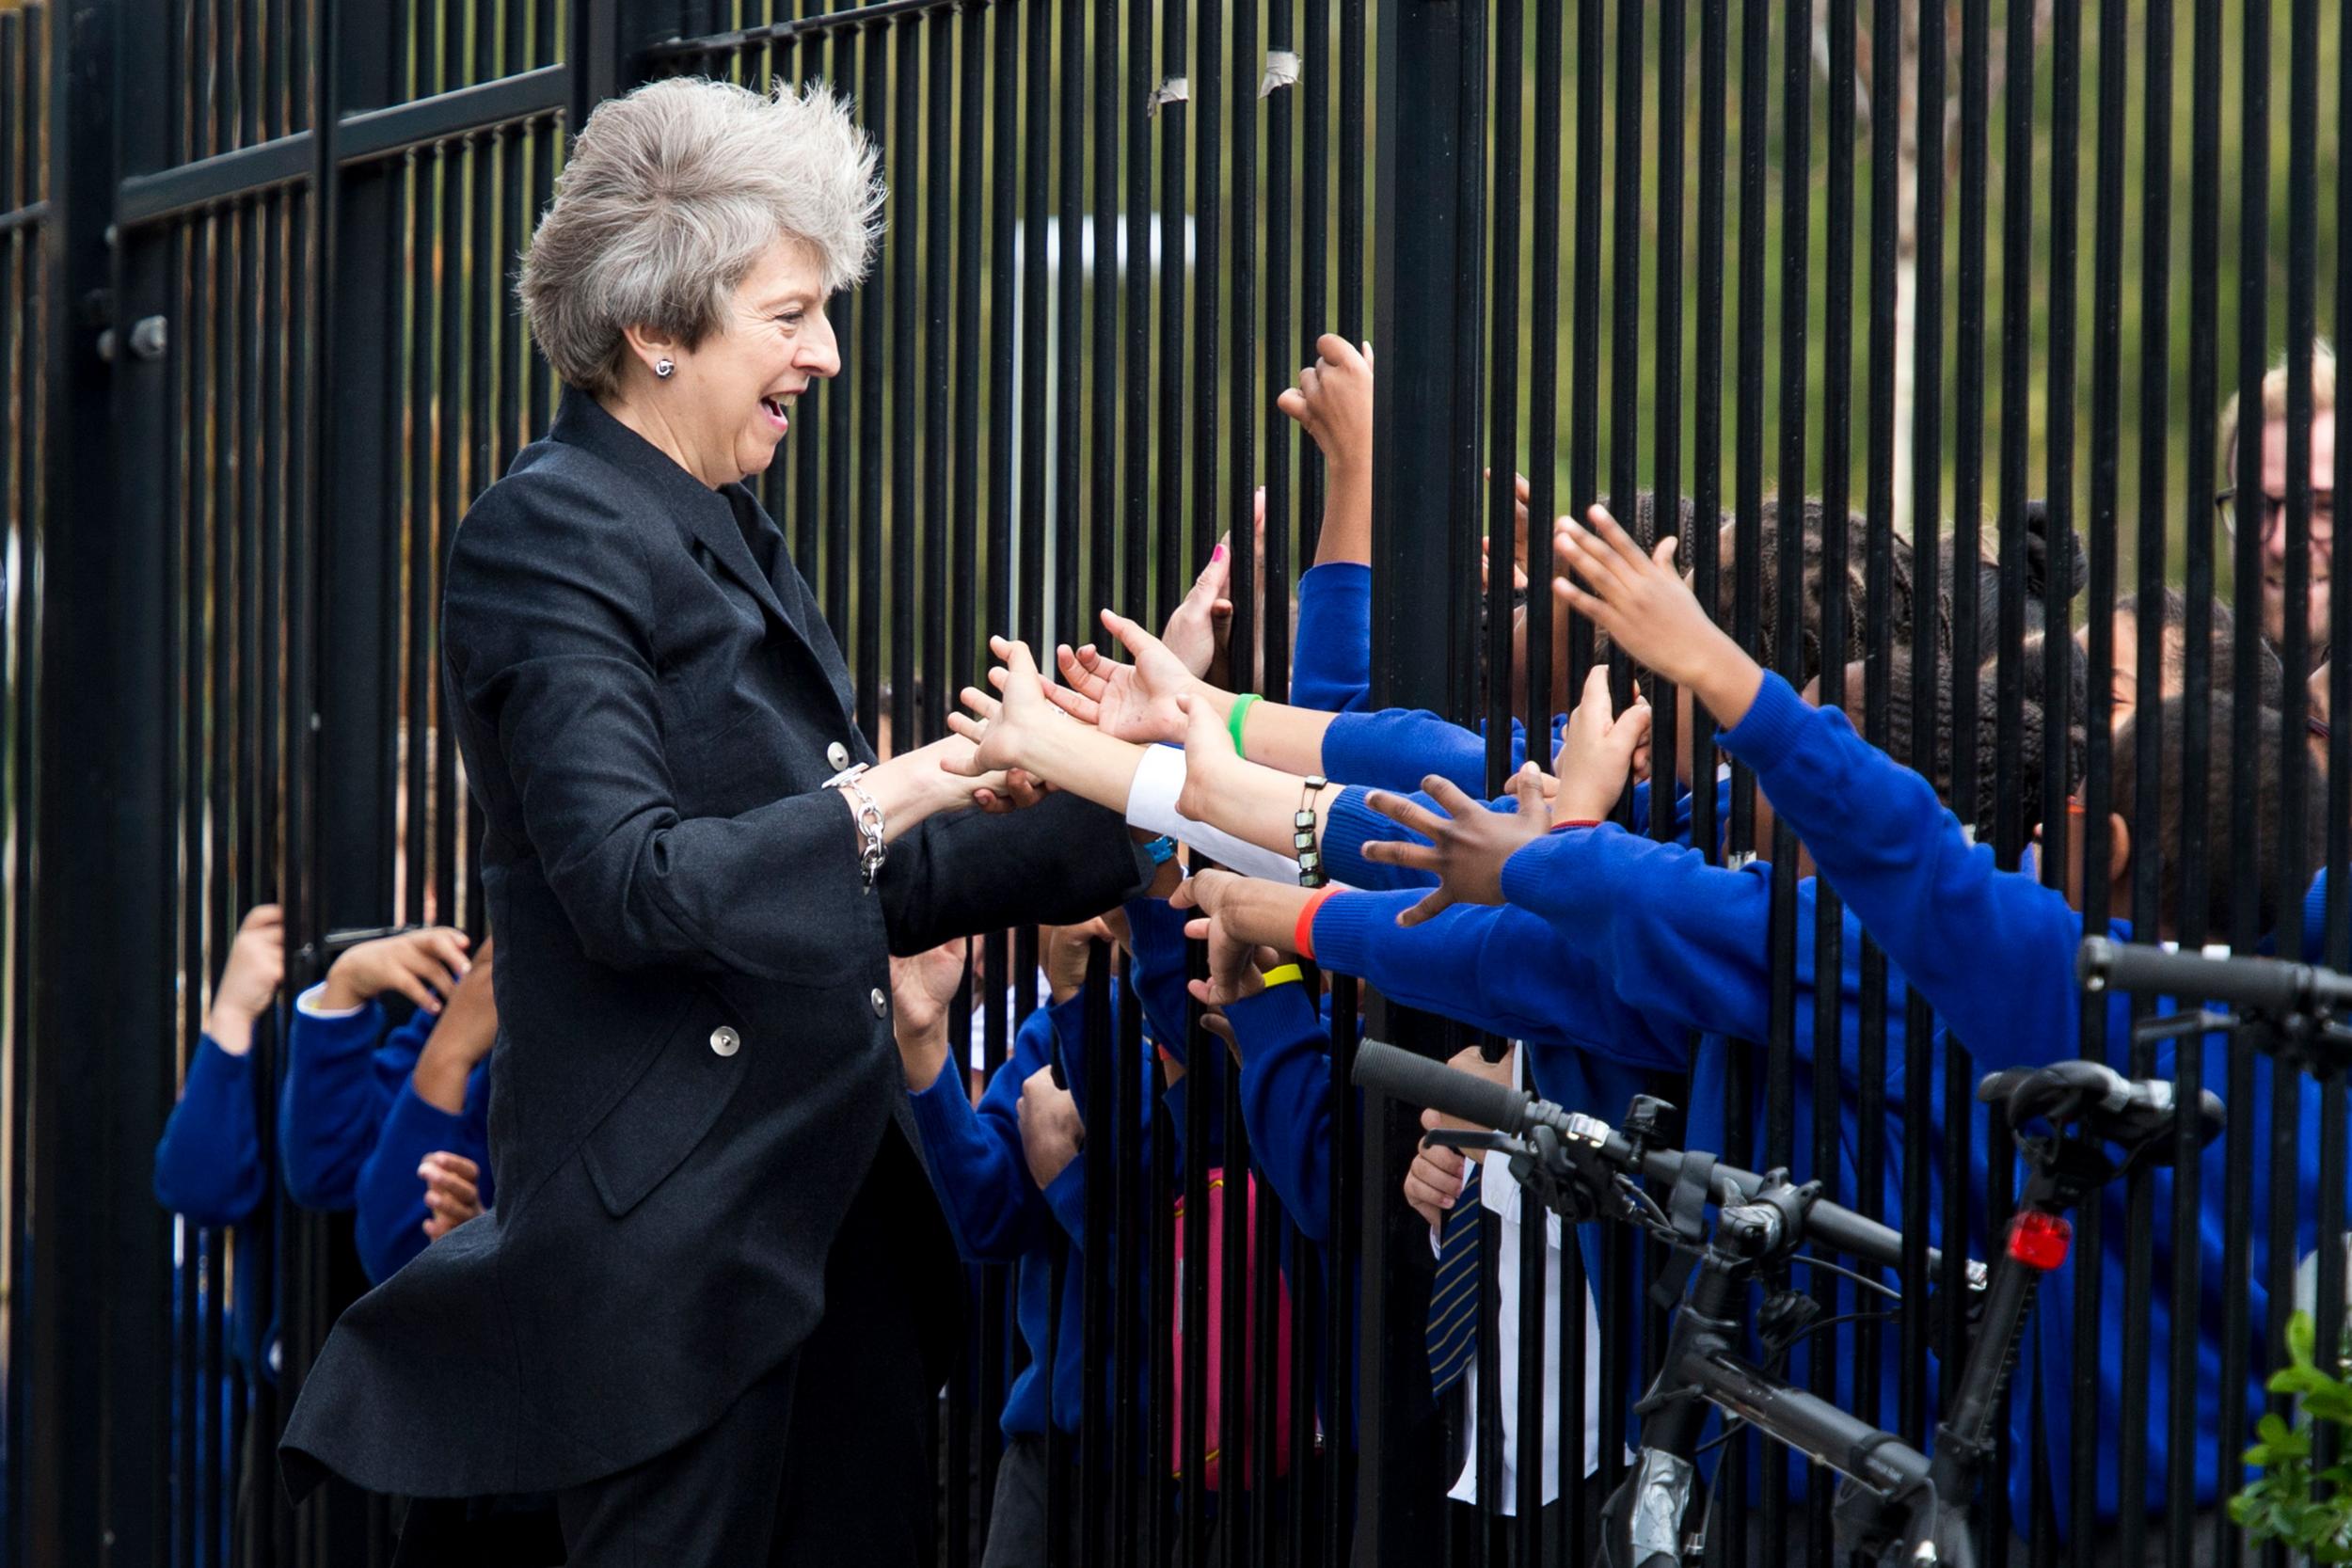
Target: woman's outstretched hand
(1466, 849)
(1136, 702)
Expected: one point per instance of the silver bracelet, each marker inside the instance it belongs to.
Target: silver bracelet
(870, 823)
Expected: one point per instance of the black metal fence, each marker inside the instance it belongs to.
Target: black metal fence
(258, 352)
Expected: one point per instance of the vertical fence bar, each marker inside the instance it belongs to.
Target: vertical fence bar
(1314, 48)
(2107, 260)
(905, 518)
(1422, 435)
(2336, 949)
(1926, 503)
(1584, 341)
(1543, 432)
(96, 1481)
(1355, 137)
(1885, 113)
(863, 55)
(1836, 480)
(2203, 374)
(1780, 1126)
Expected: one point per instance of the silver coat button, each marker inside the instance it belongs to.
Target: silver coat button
(725, 1041)
(881, 1002)
(838, 755)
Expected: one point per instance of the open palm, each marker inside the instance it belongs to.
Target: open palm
(1129, 702)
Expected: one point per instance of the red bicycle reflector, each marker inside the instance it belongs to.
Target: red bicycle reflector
(2040, 1241)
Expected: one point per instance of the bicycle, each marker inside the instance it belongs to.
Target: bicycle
(1895, 1505)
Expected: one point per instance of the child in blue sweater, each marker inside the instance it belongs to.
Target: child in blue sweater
(392, 1121)
(343, 1067)
(1331, 659)
(1012, 1177)
(1879, 835)
(209, 1164)
(430, 1170)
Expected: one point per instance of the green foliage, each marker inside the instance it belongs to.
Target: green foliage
(2281, 1505)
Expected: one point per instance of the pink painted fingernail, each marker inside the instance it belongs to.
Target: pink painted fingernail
(1216, 555)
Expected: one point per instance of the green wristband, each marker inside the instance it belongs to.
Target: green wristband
(1233, 718)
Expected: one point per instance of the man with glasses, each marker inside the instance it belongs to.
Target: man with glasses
(2274, 496)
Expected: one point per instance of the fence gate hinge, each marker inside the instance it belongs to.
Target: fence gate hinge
(151, 339)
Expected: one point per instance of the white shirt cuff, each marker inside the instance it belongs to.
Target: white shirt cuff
(307, 1004)
(1151, 806)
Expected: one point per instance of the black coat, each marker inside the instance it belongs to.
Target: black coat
(695, 1065)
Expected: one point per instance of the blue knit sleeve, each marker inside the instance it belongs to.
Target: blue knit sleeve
(1398, 748)
(1498, 969)
(1331, 661)
(390, 1211)
(1286, 1100)
(1992, 951)
(208, 1164)
(1155, 931)
(975, 1156)
(333, 1102)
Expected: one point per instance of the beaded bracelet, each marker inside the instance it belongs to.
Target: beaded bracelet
(1303, 833)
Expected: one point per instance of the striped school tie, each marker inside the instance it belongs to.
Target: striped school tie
(1453, 1300)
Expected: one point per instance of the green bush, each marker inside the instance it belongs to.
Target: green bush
(2279, 1505)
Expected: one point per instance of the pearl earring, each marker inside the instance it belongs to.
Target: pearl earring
(664, 367)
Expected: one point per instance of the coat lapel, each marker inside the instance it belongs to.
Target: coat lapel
(708, 514)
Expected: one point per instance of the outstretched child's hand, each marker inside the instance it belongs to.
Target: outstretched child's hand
(1010, 731)
(1236, 914)
(1518, 536)
(1467, 849)
(1133, 702)
(1203, 619)
(1333, 403)
(1649, 611)
(1597, 751)
(1211, 763)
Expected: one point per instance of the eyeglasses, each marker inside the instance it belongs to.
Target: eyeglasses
(2274, 514)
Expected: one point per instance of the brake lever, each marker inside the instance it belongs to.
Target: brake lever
(1470, 1138)
(2174, 1027)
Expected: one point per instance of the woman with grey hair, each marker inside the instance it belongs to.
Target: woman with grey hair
(715, 1299)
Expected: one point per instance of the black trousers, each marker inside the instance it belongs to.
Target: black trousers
(829, 1458)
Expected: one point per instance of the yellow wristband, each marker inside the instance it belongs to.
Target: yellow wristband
(1283, 974)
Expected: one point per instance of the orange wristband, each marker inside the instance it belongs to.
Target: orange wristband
(1563, 827)
(1303, 936)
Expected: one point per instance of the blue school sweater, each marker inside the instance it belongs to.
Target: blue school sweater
(208, 1164)
(1396, 748)
(1496, 968)
(997, 1215)
(1351, 824)
(342, 1072)
(1332, 654)
(390, 1195)
(1286, 1100)
(209, 1171)
(1882, 838)
(1688, 946)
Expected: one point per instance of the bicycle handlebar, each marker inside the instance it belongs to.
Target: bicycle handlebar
(2139, 1115)
(2271, 986)
(1417, 1080)
(1464, 1096)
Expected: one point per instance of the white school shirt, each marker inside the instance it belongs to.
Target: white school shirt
(1501, 1195)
